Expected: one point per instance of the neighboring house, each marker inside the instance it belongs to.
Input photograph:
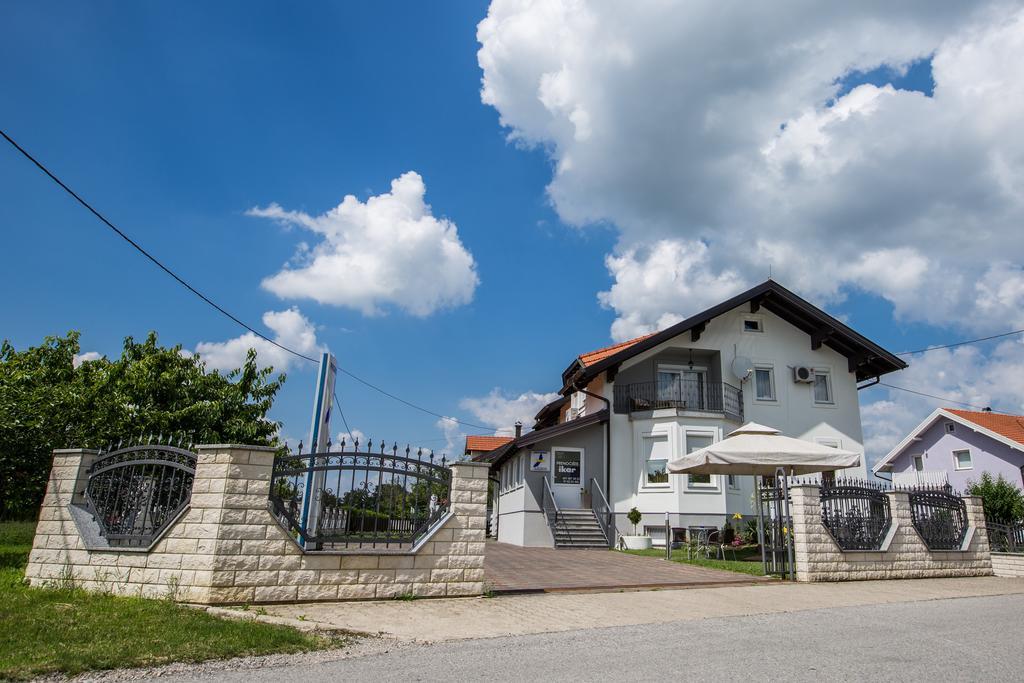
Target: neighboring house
(956, 446)
(479, 445)
(626, 410)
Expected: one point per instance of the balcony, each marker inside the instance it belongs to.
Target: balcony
(920, 477)
(680, 394)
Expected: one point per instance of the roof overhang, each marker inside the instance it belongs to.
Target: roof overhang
(865, 358)
(500, 455)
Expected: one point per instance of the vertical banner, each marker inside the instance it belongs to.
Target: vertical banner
(320, 435)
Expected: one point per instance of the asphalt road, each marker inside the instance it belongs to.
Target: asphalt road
(946, 640)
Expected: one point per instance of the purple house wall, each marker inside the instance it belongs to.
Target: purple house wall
(937, 445)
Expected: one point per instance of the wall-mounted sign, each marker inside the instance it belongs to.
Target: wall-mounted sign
(568, 467)
(540, 461)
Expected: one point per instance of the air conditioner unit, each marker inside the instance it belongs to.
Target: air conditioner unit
(803, 374)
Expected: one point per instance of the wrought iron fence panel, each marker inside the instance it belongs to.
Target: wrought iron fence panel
(384, 499)
(856, 513)
(134, 493)
(776, 536)
(1005, 538)
(939, 515)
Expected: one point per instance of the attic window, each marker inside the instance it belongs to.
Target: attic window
(950, 427)
(752, 325)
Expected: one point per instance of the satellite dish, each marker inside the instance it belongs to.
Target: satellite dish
(742, 367)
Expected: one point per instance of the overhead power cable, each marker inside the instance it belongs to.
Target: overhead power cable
(220, 309)
(148, 255)
(960, 343)
(938, 398)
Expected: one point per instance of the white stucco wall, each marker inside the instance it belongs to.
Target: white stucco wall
(793, 412)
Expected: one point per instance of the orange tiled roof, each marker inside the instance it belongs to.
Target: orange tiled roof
(592, 357)
(1010, 426)
(486, 443)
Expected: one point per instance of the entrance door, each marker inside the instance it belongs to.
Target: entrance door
(567, 477)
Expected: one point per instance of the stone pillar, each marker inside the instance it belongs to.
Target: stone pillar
(808, 533)
(976, 518)
(469, 528)
(57, 543)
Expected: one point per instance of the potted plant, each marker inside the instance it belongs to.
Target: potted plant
(636, 541)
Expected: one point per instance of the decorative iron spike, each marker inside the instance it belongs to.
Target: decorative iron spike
(355, 444)
(394, 449)
(431, 456)
(300, 448)
(343, 444)
(369, 445)
(382, 446)
(328, 445)
(408, 450)
(286, 448)
(419, 453)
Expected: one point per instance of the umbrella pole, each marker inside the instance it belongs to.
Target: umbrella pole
(760, 523)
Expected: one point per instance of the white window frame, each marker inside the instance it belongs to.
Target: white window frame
(950, 427)
(827, 374)
(752, 318)
(956, 460)
(914, 460)
(644, 484)
(714, 484)
(771, 377)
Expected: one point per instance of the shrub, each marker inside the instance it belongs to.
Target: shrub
(634, 518)
(1004, 502)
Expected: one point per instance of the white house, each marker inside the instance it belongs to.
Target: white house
(624, 411)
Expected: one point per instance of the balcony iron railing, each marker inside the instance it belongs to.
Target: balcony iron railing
(684, 394)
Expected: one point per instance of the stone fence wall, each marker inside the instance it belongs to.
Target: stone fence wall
(1008, 564)
(226, 548)
(904, 554)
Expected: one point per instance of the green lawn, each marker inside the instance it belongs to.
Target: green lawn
(748, 559)
(70, 631)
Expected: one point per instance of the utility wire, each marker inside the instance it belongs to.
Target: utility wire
(217, 307)
(939, 398)
(145, 253)
(960, 343)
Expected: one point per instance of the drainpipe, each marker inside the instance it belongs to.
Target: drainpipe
(607, 488)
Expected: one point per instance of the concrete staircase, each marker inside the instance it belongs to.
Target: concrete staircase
(577, 529)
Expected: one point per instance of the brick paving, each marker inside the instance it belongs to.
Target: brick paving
(514, 569)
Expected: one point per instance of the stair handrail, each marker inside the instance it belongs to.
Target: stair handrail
(606, 515)
(550, 497)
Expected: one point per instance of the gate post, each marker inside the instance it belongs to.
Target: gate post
(805, 511)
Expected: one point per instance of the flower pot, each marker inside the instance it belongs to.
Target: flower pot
(637, 542)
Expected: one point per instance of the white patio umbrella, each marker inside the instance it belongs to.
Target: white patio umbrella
(757, 449)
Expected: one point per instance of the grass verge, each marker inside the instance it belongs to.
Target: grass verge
(70, 631)
(679, 555)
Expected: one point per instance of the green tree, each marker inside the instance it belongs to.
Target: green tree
(1004, 502)
(47, 403)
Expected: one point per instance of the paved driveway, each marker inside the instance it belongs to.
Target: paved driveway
(514, 569)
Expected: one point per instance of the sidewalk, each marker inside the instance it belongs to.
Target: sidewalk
(461, 618)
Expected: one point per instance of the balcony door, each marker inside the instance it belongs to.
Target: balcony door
(680, 386)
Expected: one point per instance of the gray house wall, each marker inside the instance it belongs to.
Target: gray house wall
(520, 510)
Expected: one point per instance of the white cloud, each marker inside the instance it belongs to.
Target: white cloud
(500, 412)
(288, 328)
(965, 374)
(711, 135)
(454, 437)
(350, 439)
(79, 358)
(387, 251)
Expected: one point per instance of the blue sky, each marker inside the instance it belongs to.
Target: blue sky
(175, 119)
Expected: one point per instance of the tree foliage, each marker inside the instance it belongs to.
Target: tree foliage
(1004, 502)
(46, 403)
